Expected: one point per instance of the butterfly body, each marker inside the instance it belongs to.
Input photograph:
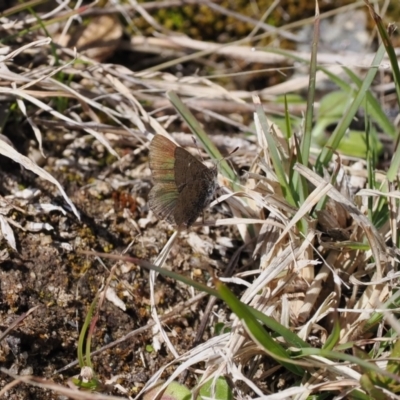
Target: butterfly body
(183, 187)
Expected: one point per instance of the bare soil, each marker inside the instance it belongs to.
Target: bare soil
(47, 271)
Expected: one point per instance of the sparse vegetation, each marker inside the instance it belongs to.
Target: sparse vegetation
(289, 283)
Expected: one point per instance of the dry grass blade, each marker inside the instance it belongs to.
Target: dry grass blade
(8, 151)
(268, 57)
(47, 384)
(7, 232)
(159, 332)
(210, 350)
(16, 322)
(373, 236)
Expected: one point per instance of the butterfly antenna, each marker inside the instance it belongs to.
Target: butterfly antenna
(229, 155)
(197, 147)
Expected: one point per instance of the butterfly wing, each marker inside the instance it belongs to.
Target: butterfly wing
(196, 184)
(164, 194)
(162, 159)
(183, 184)
(162, 200)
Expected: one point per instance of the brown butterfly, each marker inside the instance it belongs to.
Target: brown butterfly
(183, 187)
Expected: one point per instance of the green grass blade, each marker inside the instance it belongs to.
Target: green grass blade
(256, 330)
(306, 139)
(291, 338)
(383, 33)
(345, 122)
(82, 361)
(276, 158)
(199, 132)
(374, 108)
(377, 113)
(336, 356)
(334, 336)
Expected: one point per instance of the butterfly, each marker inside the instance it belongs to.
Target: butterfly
(183, 185)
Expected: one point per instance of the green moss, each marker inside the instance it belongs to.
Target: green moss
(204, 23)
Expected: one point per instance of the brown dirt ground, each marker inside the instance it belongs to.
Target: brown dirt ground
(47, 272)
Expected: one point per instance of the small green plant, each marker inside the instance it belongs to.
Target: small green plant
(216, 390)
(87, 378)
